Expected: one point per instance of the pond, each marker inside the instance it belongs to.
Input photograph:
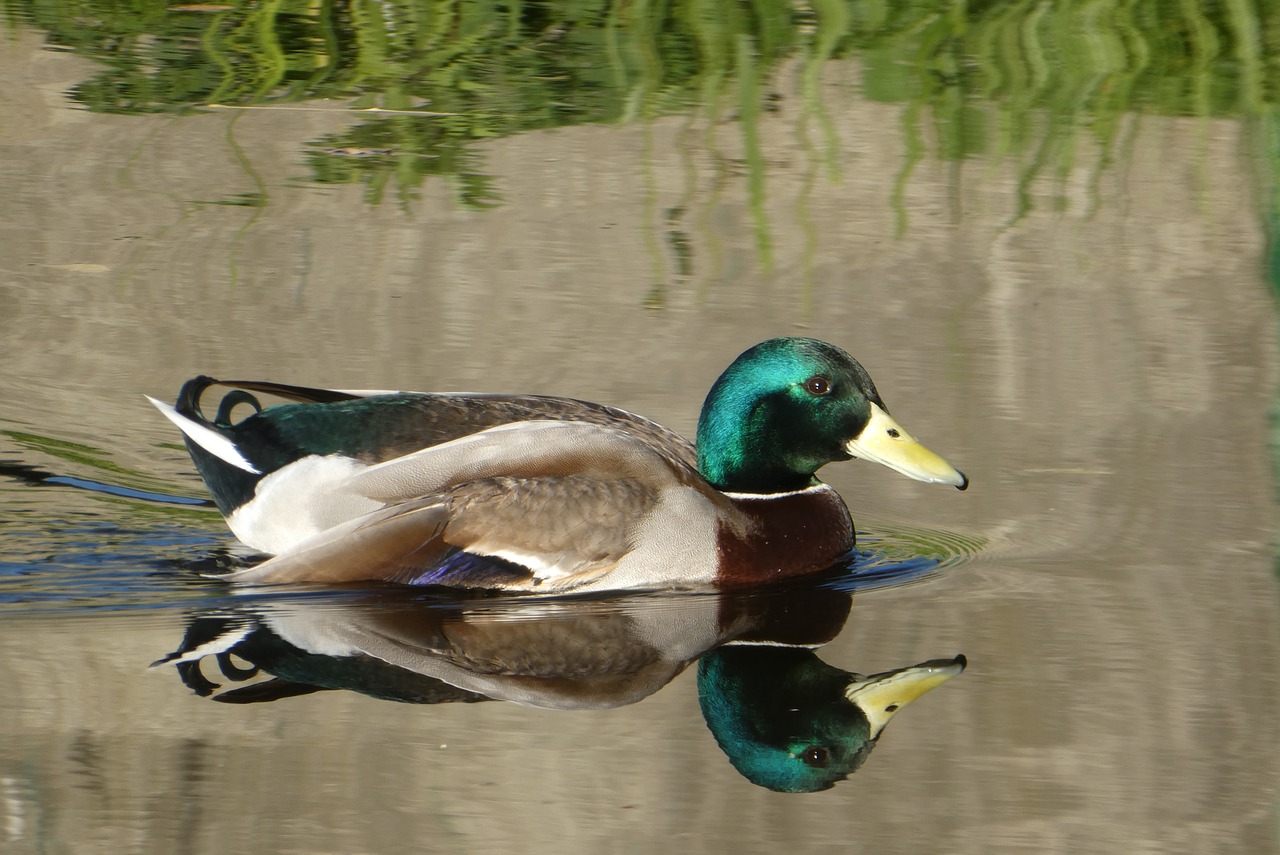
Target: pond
(1048, 231)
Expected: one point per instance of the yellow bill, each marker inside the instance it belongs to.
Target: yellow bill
(884, 441)
(880, 696)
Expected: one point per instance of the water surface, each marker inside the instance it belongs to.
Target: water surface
(1044, 234)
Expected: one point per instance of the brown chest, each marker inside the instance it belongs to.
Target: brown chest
(791, 534)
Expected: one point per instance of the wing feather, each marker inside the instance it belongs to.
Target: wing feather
(556, 504)
(524, 449)
(382, 545)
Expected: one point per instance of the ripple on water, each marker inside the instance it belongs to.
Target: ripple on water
(887, 556)
(85, 562)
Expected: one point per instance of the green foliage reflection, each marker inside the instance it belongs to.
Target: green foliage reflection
(1023, 79)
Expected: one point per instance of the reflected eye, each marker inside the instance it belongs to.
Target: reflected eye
(817, 756)
(817, 385)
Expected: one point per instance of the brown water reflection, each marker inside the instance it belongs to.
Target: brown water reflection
(1103, 372)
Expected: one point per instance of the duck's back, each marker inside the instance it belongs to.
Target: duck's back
(374, 428)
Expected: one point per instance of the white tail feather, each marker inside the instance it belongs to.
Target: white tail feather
(210, 440)
(221, 644)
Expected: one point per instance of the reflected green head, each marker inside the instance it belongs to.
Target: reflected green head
(783, 409)
(781, 717)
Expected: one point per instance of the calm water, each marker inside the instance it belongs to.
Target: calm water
(1047, 231)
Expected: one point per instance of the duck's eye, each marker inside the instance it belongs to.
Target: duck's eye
(817, 385)
(817, 756)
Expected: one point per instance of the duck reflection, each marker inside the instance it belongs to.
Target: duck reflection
(786, 720)
(791, 722)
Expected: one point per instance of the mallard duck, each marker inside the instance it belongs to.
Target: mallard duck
(534, 493)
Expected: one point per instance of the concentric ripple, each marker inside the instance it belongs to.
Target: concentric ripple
(888, 556)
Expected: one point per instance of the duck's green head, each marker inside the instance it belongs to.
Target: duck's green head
(788, 406)
(791, 723)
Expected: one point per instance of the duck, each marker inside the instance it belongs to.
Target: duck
(541, 494)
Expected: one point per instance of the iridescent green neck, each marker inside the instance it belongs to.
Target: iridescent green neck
(741, 446)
